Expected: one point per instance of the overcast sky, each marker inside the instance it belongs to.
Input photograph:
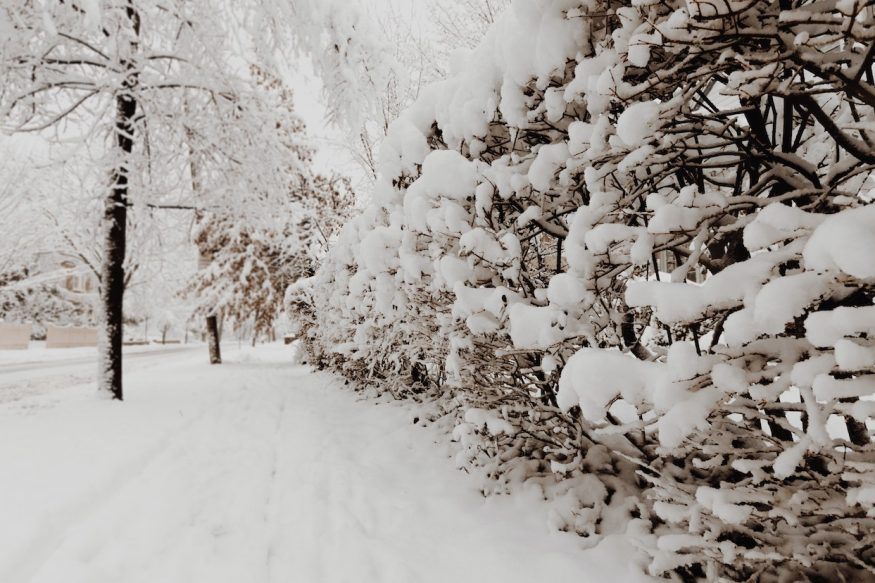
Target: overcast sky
(331, 154)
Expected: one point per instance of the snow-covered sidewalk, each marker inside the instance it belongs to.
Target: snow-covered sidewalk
(255, 471)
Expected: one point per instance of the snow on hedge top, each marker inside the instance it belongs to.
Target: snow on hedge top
(593, 379)
(844, 242)
(530, 40)
(445, 174)
(638, 122)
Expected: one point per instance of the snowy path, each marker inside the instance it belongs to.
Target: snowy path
(253, 472)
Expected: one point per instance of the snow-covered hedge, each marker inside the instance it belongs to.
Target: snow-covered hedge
(642, 224)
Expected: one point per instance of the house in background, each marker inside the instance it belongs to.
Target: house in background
(55, 300)
(77, 280)
(67, 273)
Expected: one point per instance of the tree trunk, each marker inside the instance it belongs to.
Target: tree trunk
(112, 288)
(213, 340)
(214, 335)
(115, 237)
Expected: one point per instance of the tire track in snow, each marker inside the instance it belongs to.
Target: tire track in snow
(270, 507)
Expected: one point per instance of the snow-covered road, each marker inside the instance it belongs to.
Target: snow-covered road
(38, 371)
(255, 471)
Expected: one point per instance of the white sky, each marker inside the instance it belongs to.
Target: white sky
(331, 154)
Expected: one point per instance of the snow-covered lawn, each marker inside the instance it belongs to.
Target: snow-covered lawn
(256, 471)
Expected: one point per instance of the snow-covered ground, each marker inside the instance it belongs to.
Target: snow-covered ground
(257, 471)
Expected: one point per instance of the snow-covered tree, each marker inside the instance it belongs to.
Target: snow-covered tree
(461, 24)
(138, 83)
(643, 228)
(252, 264)
(254, 257)
(30, 289)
